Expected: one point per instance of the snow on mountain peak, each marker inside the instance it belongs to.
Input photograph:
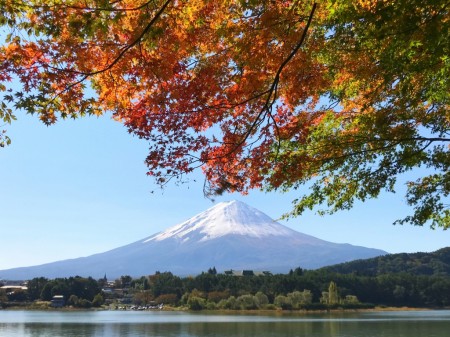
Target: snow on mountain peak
(231, 217)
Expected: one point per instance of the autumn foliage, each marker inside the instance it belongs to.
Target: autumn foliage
(259, 94)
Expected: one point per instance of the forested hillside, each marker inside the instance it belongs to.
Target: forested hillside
(436, 263)
(414, 280)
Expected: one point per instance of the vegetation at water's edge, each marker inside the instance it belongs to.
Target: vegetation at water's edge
(355, 286)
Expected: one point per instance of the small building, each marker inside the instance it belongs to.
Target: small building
(58, 301)
(246, 273)
(12, 288)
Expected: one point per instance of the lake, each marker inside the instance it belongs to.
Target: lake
(162, 324)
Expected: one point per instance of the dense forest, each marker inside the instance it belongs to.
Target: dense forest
(415, 280)
(436, 263)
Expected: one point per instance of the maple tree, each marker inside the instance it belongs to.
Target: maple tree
(347, 95)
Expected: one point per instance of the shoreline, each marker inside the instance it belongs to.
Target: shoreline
(230, 311)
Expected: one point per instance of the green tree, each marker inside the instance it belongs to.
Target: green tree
(165, 283)
(35, 287)
(170, 299)
(82, 287)
(261, 300)
(84, 303)
(125, 281)
(333, 296)
(395, 111)
(247, 302)
(73, 300)
(216, 296)
(212, 271)
(330, 297)
(46, 293)
(142, 297)
(98, 300)
(3, 297)
(283, 302)
(196, 303)
(230, 303)
(300, 298)
(351, 299)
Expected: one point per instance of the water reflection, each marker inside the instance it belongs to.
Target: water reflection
(110, 324)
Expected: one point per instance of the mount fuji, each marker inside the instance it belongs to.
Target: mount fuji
(230, 235)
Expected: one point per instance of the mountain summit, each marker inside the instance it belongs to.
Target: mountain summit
(226, 218)
(230, 235)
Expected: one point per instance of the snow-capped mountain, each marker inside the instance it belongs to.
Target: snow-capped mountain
(230, 235)
(226, 218)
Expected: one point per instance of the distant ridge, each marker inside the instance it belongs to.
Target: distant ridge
(434, 263)
(229, 235)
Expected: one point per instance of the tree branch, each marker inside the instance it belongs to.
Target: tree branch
(118, 57)
(94, 9)
(271, 97)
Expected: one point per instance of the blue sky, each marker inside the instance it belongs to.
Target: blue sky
(79, 187)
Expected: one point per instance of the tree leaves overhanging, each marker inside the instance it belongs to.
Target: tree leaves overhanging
(343, 95)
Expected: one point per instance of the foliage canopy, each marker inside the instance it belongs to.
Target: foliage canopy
(259, 94)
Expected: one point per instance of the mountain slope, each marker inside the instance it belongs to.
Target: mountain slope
(230, 235)
(435, 263)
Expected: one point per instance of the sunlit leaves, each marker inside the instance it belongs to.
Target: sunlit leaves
(347, 95)
(387, 62)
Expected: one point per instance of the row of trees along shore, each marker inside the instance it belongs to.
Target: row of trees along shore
(299, 289)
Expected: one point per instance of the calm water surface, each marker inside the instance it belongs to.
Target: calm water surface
(133, 324)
